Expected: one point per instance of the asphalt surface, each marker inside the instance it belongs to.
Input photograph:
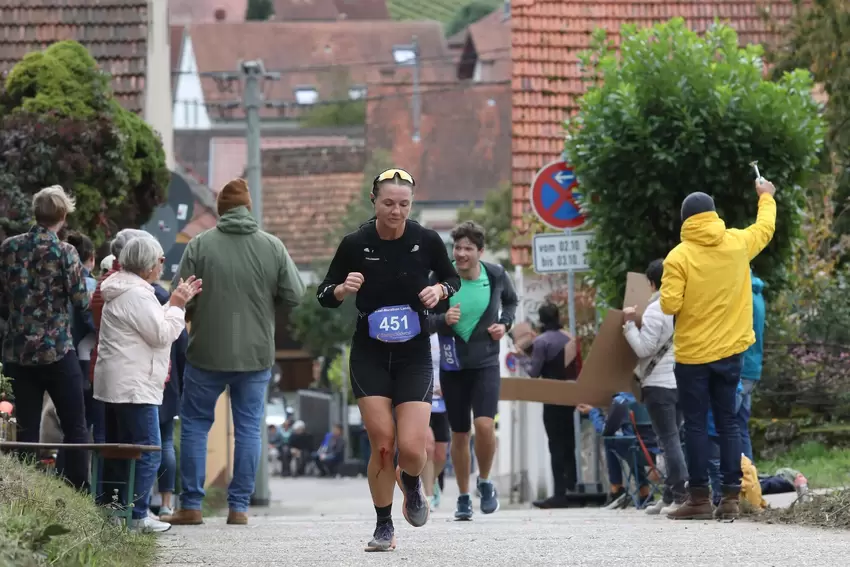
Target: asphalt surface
(328, 522)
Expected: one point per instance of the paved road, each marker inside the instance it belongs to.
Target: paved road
(327, 522)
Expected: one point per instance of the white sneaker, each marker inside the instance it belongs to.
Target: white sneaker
(152, 516)
(656, 508)
(670, 509)
(150, 526)
(165, 511)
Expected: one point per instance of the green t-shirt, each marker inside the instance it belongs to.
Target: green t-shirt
(474, 297)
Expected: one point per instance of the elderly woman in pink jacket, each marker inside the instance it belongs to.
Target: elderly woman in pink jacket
(136, 333)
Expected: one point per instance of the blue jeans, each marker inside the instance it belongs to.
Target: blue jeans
(744, 416)
(138, 424)
(201, 390)
(714, 470)
(168, 467)
(621, 447)
(714, 383)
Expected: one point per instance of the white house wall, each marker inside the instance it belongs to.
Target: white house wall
(190, 112)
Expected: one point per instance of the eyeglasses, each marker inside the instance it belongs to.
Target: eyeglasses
(392, 174)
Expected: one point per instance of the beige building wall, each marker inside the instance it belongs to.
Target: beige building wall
(158, 107)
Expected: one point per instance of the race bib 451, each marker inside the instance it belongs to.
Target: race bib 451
(394, 324)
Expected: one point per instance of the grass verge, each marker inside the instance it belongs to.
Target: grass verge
(44, 522)
(822, 466)
(824, 511)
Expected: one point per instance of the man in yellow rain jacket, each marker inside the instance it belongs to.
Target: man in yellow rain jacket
(706, 286)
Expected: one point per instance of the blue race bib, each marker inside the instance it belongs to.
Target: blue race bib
(395, 324)
(448, 354)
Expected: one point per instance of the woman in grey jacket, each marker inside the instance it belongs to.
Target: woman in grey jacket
(653, 344)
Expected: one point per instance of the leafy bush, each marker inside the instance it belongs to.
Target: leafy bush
(677, 113)
(59, 124)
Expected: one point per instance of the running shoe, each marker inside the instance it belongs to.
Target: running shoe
(489, 497)
(415, 509)
(463, 512)
(383, 539)
(437, 494)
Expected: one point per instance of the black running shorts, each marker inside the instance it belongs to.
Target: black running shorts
(474, 390)
(440, 427)
(401, 372)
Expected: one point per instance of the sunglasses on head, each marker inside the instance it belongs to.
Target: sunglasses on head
(391, 174)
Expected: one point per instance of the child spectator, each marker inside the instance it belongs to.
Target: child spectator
(616, 425)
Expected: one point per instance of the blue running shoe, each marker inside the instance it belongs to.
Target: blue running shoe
(416, 509)
(489, 497)
(383, 539)
(463, 512)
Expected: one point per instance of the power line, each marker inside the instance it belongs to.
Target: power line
(233, 104)
(332, 66)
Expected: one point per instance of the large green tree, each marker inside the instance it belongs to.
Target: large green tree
(676, 113)
(322, 331)
(818, 39)
(59, 124)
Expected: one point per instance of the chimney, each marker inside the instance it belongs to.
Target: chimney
(220, 15)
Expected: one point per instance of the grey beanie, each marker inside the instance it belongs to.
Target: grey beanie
(696, 203)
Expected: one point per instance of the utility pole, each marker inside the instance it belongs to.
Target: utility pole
(417, 101)
(253, 73)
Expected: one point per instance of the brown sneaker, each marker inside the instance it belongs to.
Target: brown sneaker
(184, 517)
(237, 518)
(728, 509)
(697, 507)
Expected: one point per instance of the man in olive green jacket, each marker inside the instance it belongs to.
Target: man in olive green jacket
(246, 274)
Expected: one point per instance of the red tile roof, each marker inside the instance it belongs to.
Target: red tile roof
(546, 37)
(318, 10)
(491, 41)
(313, 55)
(114, 31)
(185, 12)
(229, 156)
(306, 193)
(464, 149)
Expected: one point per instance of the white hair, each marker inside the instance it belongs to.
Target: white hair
(140, 255)
(125, 236)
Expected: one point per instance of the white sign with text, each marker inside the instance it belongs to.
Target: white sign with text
(558, 253)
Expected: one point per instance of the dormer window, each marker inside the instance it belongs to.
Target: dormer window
(356, 93)
(404, 56)
(306, 95)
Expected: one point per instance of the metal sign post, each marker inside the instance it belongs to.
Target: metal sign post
(555, 196)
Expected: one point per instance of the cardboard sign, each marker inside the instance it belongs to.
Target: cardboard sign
(607, 370)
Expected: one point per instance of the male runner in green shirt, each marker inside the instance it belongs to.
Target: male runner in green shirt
(470, 326)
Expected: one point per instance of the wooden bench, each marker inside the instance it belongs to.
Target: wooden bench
(100, 451)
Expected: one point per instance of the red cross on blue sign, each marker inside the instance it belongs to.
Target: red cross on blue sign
(554, 196)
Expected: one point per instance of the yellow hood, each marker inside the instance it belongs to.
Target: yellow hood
(705, 229)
